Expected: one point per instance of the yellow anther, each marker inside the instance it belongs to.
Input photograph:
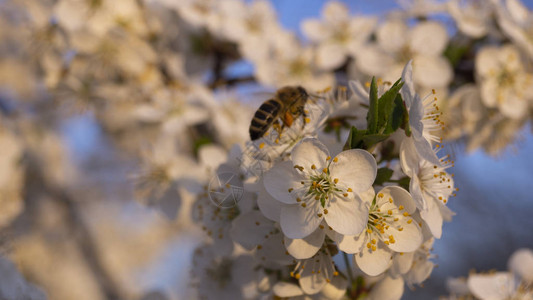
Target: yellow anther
(380, 195)
(409, 221)
(290, 190)
(328, 158)
(400, 207)
(386, 242)
(307, 120)
(336, 180)
(261, 145)
(298, 199)
(390, 200)
(335, 159)
(325, 211)
(368, 245)
(373, 241)
(349, 190)
(345, 194)
(321, 226)
(304, 205)
(374, 248)
(325, 170)
(335, 273)
(405, 214)
(369, 230)
(400, 229)
(389, 212)
(257, 223)
(259, 247)
(319, 215)
(297, 276)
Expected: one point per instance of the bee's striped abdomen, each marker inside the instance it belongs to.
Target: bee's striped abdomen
(264, 117)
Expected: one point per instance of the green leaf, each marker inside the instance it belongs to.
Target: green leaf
(396, 117)
(370, 140)
(404, 182)
(383, 175)
(372, 115)
(386, 104)
(355, 139)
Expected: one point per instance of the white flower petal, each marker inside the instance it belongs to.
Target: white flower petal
(279, 179)
(376, 262)
(298, 222)
(306, 247)
(349, 244)
(521, 263)
(408, 89)
(428, 38)
(495, 286)
(433, 218)
(486, 61)
(347, 217)
(269, 206)
(409, 159)
(273, 252)
(391, 35)
(432, 71)
(387, 289)
(420, 272)
(249, 229)
(334, 290)
(312, 281)
(401, 263)
(330, 56)
(308, 152)
(355, 169)
(313, 29)
(286, 290)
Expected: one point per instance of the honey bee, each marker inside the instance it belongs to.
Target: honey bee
(286, 106)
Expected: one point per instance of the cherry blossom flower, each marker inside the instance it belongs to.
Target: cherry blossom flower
(397, 44)
(316, 187)
(505, 84)
(338, 35)
(390, 229)
(430, 186)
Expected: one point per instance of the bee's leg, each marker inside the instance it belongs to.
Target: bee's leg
(304, 113)
(277, 126)
(288, 119)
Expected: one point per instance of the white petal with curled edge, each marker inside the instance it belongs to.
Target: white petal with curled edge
(387, 289)
(521, 263)
(347, 217)
(401, 263)
(310, 151)
(400, 197)
(376, 262)
(286, 290)
(306, 247)
(249, 229)
(408, 89)
(429, 38)
(433, 218)
(500, 285)
(298, 222)
(269, 206)
(312, 281)
(279, 179)
(355, 169)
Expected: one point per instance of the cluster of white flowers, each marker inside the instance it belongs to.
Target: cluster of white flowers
(353, 177)
(302, 198)
(517, 283)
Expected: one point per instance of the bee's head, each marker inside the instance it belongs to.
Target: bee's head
(302, 91)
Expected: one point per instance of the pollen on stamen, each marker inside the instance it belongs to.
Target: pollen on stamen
(325, 170)
(290, 190)
(335, 159)
(304, 205)
(336, 180)
(328, 158)
(380, 195)
(261, 145)
(307, 120)
(325, 211)
(400, 207)
(313, 166)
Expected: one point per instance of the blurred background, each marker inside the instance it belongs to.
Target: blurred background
(72, 217)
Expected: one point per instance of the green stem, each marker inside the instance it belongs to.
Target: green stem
(348, 267)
